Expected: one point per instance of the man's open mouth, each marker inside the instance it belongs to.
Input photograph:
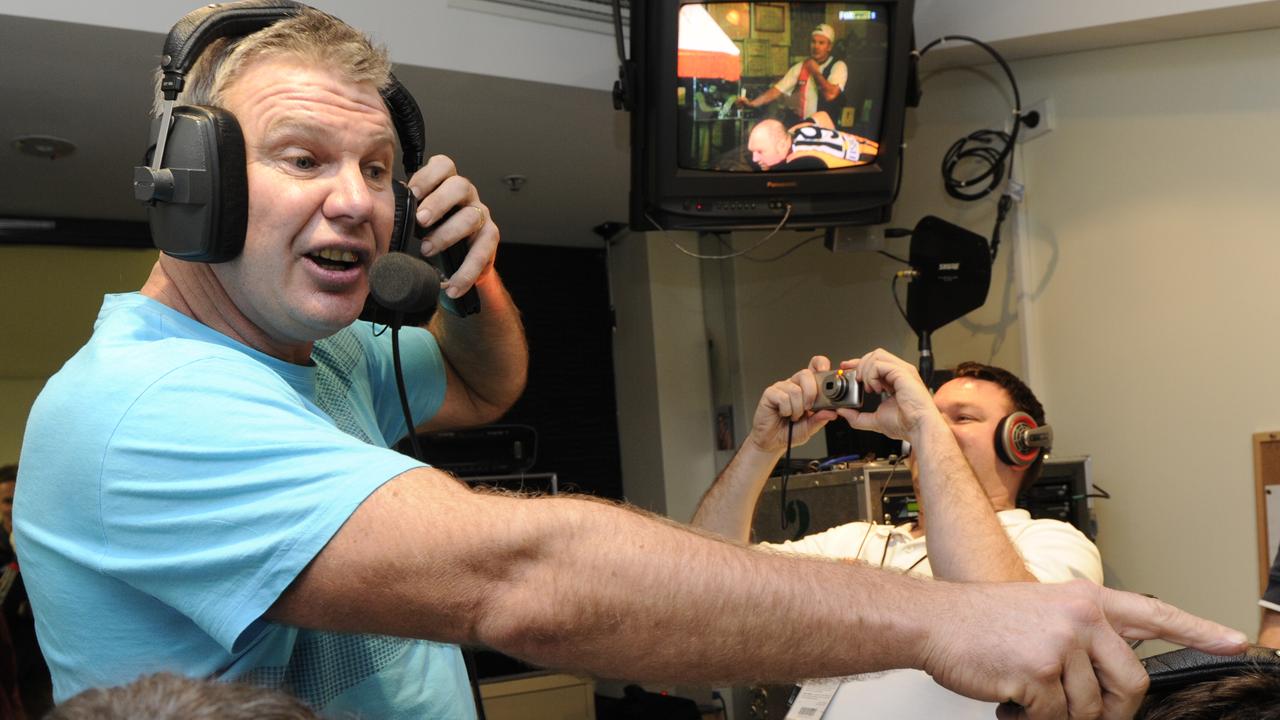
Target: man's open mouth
(333, 259)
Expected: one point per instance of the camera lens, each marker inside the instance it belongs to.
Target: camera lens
(834, 388)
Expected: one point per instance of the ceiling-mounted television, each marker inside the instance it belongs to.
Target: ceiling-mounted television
(748, 112)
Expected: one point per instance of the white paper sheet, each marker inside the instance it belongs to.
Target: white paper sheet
(902, 694)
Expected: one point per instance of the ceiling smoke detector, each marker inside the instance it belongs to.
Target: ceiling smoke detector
(43, 146)
(514, 182)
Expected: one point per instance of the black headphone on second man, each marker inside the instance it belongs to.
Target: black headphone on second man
(198, 193)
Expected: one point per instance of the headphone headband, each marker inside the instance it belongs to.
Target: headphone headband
(407, 117)
(199, 28)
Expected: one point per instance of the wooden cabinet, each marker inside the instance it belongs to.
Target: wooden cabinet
(539, 697)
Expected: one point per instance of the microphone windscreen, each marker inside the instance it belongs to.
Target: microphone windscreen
(403, 283)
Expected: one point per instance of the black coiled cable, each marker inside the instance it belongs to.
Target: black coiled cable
(990, 150)
(987, 148)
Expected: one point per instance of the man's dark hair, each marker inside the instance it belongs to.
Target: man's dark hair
(1247, 696)
(1019, 394)
(8, 473)
(165, 696)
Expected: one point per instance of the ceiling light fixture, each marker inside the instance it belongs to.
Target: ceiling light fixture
(43, 146)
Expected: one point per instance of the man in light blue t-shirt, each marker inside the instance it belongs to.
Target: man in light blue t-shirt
(206, 486)
(223, 424)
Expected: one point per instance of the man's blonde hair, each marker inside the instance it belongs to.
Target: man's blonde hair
(311, 36)
(166, 696)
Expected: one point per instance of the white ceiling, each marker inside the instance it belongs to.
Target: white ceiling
(500, 95)
(476, 36)
(92, 85)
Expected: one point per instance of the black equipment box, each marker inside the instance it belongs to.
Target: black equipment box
(882, 492)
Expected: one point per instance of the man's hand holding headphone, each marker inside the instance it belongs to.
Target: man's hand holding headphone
(446, 194)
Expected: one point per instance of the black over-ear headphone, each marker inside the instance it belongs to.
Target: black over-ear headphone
(196, 183)
(1019, 440)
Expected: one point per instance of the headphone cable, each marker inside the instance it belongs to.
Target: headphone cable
(468, 654)
(786, 475)
(400, 388)
(993, 148)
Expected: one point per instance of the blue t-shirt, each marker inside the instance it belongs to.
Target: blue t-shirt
(175, 482)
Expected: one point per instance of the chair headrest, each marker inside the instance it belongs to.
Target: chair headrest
(1184, 667)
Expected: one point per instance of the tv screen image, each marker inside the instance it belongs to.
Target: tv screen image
(780, 86)
(752, 115)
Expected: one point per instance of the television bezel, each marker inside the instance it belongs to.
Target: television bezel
(858, 195)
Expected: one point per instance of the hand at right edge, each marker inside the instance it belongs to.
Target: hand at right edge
(1055, 651)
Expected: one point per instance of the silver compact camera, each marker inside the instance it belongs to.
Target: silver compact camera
(838, 389)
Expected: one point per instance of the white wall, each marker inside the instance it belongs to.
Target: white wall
(1154, 218)
(1151, 248)
(662, 377)
(814, 301)
(1151, 227)
(50, 297)
(997, 20)
(429, 33)
(635, 375)
(455, 36)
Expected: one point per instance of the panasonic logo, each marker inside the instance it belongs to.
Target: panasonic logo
(949, 266)
(772, 184)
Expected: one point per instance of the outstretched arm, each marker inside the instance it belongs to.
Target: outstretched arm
(583, 585)
(727, 507)
(763, 98)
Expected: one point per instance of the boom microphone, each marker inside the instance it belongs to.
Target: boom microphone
(406, 285)
(950, 275)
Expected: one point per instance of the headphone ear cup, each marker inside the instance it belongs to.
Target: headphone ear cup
(1008, 448)
(206, 213)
